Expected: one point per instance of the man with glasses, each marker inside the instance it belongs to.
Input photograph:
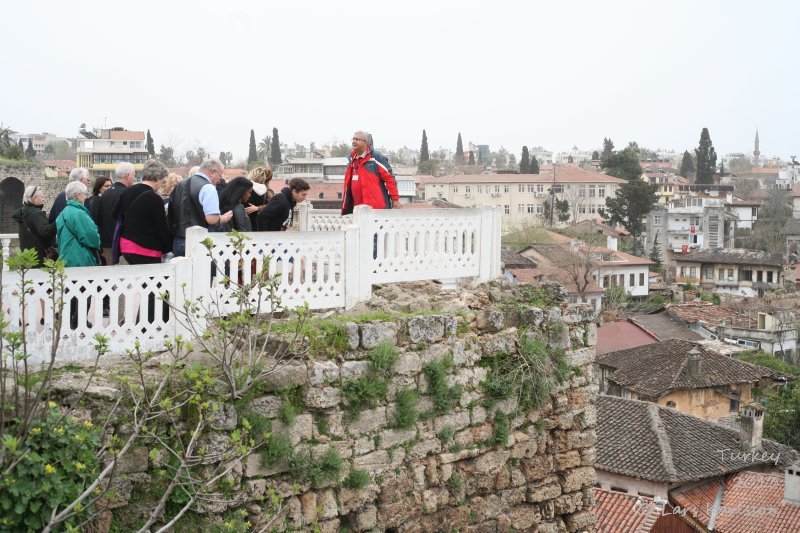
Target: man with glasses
(195, 202)
(77, 174)
(368, 179)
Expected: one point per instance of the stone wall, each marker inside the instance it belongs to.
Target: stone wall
(465, 469)
(33, 174)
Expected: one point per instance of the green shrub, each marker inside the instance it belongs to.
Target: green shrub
(446, 434)
(382, 357)
(363, 393)
(293, 404)
(356, 479)
(326, 467)
(444, 398)
(61, 461)
(406, 414)
(454, 483)
(277, 446)
(710, 297)
(500, 428)
(259, 424)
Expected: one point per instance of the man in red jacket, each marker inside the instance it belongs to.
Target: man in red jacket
(368, 180)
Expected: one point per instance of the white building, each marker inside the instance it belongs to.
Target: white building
(544, 157)
(575, 155)
(313, 169)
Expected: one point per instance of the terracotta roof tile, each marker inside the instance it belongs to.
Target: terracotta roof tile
(622, 335)
(733, 256)
(751, 501)
(618, 512)
(126, 135)
(648, 441)
(538, 275)
(708, 314)
(653, 370)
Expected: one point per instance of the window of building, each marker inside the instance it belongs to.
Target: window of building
(709, 272)
(734, 405)
(759, 275)
(670, 403)
(622, 280)
(632, 280)
(641, 279)
(601, 191)
(520, 208)
(531, 188)
(497, 189)
(539, 209)
(721, 274)
(467, 189)
(656, 220)
(592, 208)
(592, 191)
(683, 271)
(582, 191)
(339, 195)
(480, 189)
(745, 275)
(321, 195)
(507, 209)
(693, 272)
(530, 208)
(455, 188)
(540, 188)
(730, 274)
(507, 188)
(520, 188)
(769, 276)
(557, 189)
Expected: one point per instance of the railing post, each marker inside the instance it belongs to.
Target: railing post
(367, 248)
(182, 291)
(200, 284)
(495, 271)
(485, 243)
(305, 216)
(6, 251)
(352, 265)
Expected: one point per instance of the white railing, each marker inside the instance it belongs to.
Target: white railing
(325, 269)
(6, 240)
(321, 219)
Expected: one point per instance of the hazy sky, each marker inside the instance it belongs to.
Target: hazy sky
(555, 73)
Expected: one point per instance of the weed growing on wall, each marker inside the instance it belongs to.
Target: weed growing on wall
(406, 414)
(365, 392)
(444, 398)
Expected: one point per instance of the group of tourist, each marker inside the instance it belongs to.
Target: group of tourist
(126, 222)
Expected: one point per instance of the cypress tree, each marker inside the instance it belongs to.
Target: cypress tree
(525, 161)
(30, 153)
(423, 151)
(687, 164)
(275, 150)
(471, 157)
(595, 155)
(459, 151)
(534, 165)
(151, 149)
(608, 148)
(252, 155)
(706, 158)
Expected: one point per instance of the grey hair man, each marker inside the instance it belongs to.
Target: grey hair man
(76, 174)
(125, 176)
(195, 202)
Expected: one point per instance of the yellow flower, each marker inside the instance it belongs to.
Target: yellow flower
(36, 431)
(59, 431)
(88, 424)
(48, 469)
(52, 405)
(79, 466)
(96, 490)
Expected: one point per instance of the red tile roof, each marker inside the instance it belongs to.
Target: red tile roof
(60, 163)
(618, 512)
(621, 335)
(708, 313)
(126, 135)
(751, 501)
(621, 257)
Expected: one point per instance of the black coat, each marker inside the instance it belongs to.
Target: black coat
(58, 205)
(106, 221)
(277, 216)
(145, 221)
(34, 230)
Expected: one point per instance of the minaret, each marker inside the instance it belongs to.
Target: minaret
(756, 152)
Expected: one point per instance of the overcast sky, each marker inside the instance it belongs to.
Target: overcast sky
(555, 73)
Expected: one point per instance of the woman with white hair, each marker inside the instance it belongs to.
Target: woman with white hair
(34, 229)
(78, 237)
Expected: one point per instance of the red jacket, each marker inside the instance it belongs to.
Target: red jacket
(378, 186)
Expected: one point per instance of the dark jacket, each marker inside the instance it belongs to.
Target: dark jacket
(92, 204)
(77, 236)
(34, 230)
(105, 220)
(184, 208)
(257, 200)
(240, 220)
(58, 205)
(144, 220)
(277, 216)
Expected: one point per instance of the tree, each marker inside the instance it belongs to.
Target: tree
(608, 148)
(623, 164)
(30, 152)
(275, 149)
(500, 158)
(512, 162)
(471, 157)
(151, 149)
(655, 251)
(525, 161)
(459, 151)
(562, 210)
(166, 154)
(578, 266)
(740, 165)
(772, 217)
(341, 150)
(429, 167)
(706, 158)
(534, 165)
(629, 207)
(252, 154)
(15, 152)
(687, 165)
(595, 155)
(423, 151)
(5, 139)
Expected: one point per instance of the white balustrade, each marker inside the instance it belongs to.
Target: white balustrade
(332, 265)
(6, 240)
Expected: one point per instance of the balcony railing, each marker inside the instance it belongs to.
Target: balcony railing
(332, 264)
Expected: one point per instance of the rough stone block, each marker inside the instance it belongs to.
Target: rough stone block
(580, 357)
(374, 463)
(223, 417)
(524, 516)
(353, 499)
(369, 420)
(135, 460)
(491, 462)
(478, 415)
(433, 353)
(543, 492)
(254, 467)
(536, 468)
(424, 448)
(301, 429)
(268, 406)
(354, 369)
(391, 515)
(456, 421)
(323, 397)
(578, 478)
(581, 439)
(490, 320)
(375, 333)
(322, 372)
(502, 342)
(326, 503)
(367, 519)
(395, 437)
(577, 313)
(351, 330)
(330, 526)
(579, 521)
(431, 328)
(407, 364)
(567, 460)
(285, 377)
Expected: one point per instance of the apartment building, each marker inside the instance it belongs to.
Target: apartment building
(689, 224)
(523, 197)
(732, 271)
(101, 151)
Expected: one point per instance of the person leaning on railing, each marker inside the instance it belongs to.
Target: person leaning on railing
(34, 229)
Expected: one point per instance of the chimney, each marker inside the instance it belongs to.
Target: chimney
(752, 428)
(611, 243)
(695, 365)
(791, 484)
